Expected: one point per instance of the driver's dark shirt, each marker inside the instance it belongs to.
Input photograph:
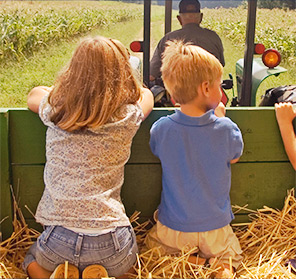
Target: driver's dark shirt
(192, 32)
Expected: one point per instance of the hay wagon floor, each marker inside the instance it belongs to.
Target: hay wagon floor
(268, 241)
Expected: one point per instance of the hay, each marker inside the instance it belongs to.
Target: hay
(268, 241)
(13, 249)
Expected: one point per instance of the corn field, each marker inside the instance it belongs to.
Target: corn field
(27, 26)
(275, 28)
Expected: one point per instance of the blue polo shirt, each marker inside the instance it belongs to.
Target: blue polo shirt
(195, 155)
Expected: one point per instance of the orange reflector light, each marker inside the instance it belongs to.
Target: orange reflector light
(259, 48)
(136, 46)
(271, 58)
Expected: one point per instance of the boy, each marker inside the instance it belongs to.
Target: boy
(195, 148)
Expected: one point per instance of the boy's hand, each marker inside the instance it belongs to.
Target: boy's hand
(284, 113)
(220, 110)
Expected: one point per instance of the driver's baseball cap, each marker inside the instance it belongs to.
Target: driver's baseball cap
(189, 6)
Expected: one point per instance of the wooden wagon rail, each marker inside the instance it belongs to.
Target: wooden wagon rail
(261, 177)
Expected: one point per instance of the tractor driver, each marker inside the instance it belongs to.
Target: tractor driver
(190, 18)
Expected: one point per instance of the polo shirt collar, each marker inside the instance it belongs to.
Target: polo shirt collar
(181, 118)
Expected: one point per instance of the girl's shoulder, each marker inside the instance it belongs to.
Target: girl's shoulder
(127, 116)
(127, 113)
(45, 110)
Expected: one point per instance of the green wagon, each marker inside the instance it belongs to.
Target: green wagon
(261, 177)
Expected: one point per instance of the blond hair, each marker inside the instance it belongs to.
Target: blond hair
(185, 67)
(97, 81)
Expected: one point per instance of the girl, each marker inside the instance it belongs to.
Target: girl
(92, 113)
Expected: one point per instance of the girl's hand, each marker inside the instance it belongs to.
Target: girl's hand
(284, 113)
(220, 110)
(146, 101)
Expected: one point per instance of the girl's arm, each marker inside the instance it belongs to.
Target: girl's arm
(285, 115)
(146, 101)
(220, 110)
(234, 160)
(35, 96)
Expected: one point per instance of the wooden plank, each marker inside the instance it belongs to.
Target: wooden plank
(5, 194)
(140, 152)
(260, 133)
(142, 188)
(261, 178)
(258, 125)
(28, 186)
(255, 184)
(32, 224)
(259, 184)
(27, 137)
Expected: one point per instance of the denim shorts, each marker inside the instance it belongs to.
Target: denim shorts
(116, 250)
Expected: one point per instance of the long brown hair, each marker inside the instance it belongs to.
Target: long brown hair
(97, 81)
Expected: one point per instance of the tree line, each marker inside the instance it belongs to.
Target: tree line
(270, 4)
(267, 4)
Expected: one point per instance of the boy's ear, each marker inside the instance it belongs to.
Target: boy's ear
(179, 19)
(200, 18)
(205, 88)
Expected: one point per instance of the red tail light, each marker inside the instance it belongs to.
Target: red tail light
(136, 46)
(259, 48)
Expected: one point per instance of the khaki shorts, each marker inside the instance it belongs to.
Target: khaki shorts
(221, 243)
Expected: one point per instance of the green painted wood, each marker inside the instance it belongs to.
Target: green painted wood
(32, 224)
(140, 152)
(262, 176)
(142, 188)
(5, 194)
(27, 137)
(139, 187)
(255, 184)
(261, 134)
(28, 186)
(258, 125)
(259, 184)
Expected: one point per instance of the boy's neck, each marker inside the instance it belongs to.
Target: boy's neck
(191, 109)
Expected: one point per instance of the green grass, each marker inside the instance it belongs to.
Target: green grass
(42, 67)
(17, 78)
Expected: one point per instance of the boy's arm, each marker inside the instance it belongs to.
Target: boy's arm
(146, 101)
(285, 115)
(35, 96)
(236, 144)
